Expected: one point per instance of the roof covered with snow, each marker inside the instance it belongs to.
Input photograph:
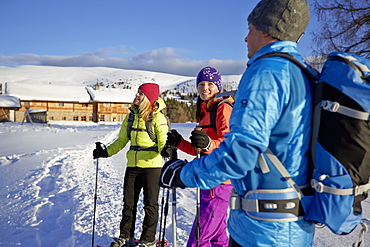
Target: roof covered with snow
(9, 101)
(112, 95)
(48, 92)
(69, 93)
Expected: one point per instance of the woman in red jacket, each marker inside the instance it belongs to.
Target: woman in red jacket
(214, 202)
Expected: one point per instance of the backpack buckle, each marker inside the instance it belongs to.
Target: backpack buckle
(318, 186)
(330, 105)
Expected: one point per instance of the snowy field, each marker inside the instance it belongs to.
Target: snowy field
(47, 188)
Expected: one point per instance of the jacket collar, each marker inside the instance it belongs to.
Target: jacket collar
(278, 46)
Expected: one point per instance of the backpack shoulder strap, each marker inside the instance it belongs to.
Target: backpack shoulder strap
(130, 121)
(316, 98)
(281, 169)
(149, 129)
(274, 160)
(149, 126)
(293, 60)
(214, 112)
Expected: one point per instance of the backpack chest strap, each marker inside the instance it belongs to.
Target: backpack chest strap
(336, 107)
(321, 188)
(137, 129)
(139, 148)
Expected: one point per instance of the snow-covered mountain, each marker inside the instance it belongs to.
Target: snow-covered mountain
(104, 77)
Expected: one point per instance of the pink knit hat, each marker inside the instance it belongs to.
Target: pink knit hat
(151, 91)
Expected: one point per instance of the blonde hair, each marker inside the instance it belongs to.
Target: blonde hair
(146, 109)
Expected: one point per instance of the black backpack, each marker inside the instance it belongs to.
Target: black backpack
(148, 125)
(340, 141)
(214, 113)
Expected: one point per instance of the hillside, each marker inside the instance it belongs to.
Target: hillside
(105, 77)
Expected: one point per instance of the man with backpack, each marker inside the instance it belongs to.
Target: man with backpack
(271, 114)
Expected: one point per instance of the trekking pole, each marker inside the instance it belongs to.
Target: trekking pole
(98, 145)
(165, 218)
(160, 225)
(172, 155)
(197, 219)
(197, 229)
(174, 221)
(361, 236)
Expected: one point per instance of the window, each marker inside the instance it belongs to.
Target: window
(75, 118)
(64, 118)
(101, 118)
(107, 104)
(26, 103)
(126, 105)
(83, 118)
(60, 104)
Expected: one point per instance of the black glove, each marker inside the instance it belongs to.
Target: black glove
(170, 174)
(99, 151)
(173, 138)
(164, 152)
(200, 139)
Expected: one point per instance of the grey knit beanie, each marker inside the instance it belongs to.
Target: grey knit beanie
(282, 19)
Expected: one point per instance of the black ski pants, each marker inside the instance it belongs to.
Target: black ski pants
(232, 243)
(136, 179)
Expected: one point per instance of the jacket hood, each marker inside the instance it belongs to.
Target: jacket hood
(161, 104)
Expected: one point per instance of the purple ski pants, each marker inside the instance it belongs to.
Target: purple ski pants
(214, 205)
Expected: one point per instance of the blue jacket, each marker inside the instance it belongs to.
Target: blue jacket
(272, 110)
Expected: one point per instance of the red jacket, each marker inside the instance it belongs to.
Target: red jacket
(222, 125)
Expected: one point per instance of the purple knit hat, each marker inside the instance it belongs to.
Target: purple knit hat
(210, 74)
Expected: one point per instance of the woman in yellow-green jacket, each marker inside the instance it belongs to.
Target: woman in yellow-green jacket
(144, 163)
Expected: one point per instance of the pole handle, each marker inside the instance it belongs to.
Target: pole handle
(198, 149)
(197, 226)
(99, 145)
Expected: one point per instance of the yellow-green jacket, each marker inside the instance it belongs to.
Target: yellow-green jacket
(142, 159)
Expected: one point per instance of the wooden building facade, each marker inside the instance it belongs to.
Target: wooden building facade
(86, 104)
(9, 105)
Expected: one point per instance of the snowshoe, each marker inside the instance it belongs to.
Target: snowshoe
(159, 243)
(126, 242)
(143, 243)
(121, 242)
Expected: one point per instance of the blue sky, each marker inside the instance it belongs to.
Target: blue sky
(177, 37)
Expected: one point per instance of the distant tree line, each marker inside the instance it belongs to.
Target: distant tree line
(180, 111)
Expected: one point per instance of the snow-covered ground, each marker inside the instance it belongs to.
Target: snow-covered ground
(47, 187)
